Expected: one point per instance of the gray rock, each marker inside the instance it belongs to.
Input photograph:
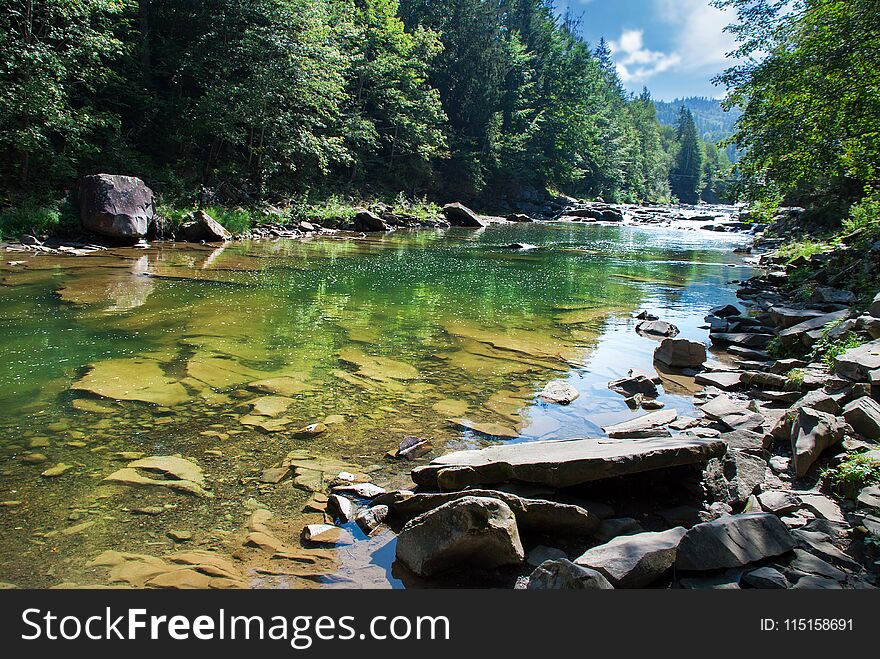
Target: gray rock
(743, 339)
(808, 564)
(562, 574)
(680, 353)
(636, 384)
(812, 432)
(369, 519)
(368, 221)
(765, 578)
(819, 544)
(746, 440)
(863, 414)
(341, 508)
(203, 227)
(779, 502)
(874, 309)
(786, 317)
(565, 463)
(869, 497)
(857, 363)
(459, 215)
(813, 582)
(725, 312)
(733, 478)
(794, 335)
(119, 207)
(657, 328)
(733, 541)
(359, 490)
(560, 392)
(469, 532)
(726, 380)
(533, 515)
(779, 464)
(647, 425)
(635, 561)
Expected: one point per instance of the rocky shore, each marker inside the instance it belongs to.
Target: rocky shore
(773, 486)
(122, 210)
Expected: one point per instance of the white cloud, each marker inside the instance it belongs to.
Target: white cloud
(701, 44)
(635, 63)
(702, 41)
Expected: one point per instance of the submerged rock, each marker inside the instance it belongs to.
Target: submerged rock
(165, 471)
(566, 462)
(559, 391)
(469, 532)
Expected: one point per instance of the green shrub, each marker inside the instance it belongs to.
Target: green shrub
(864, 217)
(855, 472)
(796, 377)
(39, 217)
(828, 347)
(803, 248)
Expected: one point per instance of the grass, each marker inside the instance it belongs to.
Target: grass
(37, 217)
(802, 249)
(326, 211)
(855, 472)
(828, 347)
(796, 377)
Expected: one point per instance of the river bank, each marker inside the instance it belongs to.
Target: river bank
(266, 424)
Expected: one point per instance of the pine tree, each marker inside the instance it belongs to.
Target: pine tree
(686, 177)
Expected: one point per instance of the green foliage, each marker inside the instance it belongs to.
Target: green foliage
(833, 344)
(790, 251)
(807, 85)
(863, 223)
(264, 100)
(686, 177)
(796, 378)
(37, 218)
(855, 472)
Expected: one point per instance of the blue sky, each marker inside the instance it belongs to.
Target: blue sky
(674, 47)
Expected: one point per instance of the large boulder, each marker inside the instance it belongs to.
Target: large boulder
(634, 561)
(562, 574)
(863, 414)
(812, 432)
(460, 215)
(203, 227)
(118, 207)
(874, 309)
(471, 532)
(368, 221)
(563, 463)
(681, 353)
(733, 541)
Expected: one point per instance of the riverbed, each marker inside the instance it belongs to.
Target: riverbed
(358, 341)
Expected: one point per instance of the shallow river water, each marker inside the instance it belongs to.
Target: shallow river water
(166, 351)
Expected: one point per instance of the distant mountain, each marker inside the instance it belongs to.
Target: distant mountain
(713, 123)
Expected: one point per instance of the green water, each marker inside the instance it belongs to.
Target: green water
(157, 352)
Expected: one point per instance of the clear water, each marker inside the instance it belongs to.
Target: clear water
(398, 334)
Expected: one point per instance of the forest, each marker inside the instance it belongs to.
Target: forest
(264, 101)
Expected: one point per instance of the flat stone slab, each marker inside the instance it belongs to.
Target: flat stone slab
(647, 425)
(726, 380)
(564, 463)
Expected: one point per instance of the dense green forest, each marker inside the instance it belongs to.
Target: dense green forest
(714, 123)
(807, 82)
(264, 101)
